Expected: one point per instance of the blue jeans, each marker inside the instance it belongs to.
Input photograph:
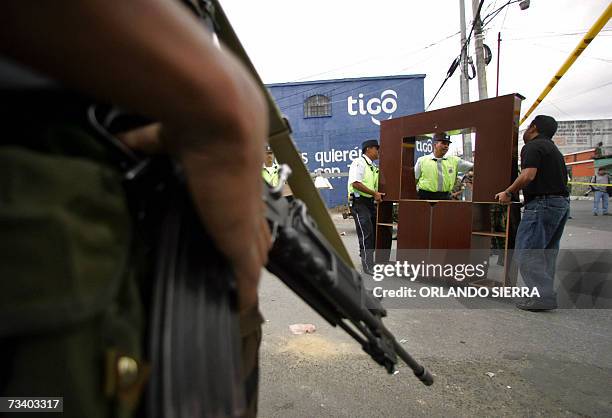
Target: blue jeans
(603, 196)
(537, 242)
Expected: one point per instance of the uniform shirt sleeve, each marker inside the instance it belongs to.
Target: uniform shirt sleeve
(531, 156)
(464, 165)
(356, 171)
(417, 169)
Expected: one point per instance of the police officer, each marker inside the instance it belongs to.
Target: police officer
(435, 173)
(362, 194)
(270, 169)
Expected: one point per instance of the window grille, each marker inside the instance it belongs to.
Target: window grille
(317, 106)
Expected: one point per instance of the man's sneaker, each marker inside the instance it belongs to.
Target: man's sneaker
(536, 305)
(606, 214)
(594, 214)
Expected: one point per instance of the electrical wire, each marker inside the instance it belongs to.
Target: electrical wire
(558, 34)
(301, 92)
(334, 91)
(606, 60)
(378, 56)
(572, 96)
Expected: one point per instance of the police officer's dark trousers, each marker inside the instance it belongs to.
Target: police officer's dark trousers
(364, 214)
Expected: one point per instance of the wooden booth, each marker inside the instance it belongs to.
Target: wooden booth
(452, 225)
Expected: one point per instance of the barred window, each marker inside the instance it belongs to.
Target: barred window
(317, 106)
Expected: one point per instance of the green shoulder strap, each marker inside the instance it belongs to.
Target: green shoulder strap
(282, 144)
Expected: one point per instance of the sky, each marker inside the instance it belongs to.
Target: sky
(290, 40)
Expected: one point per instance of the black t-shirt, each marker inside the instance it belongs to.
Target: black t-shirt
(551, 178)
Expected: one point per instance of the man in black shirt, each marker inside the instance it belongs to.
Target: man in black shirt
(543, 180)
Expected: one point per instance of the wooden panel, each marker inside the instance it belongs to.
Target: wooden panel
(407, 180)
(451, 225)
(390, 161)
(384, 215)
(414, 224)
(383, 243)
(481, 243)
(495, 164)
(384, 212)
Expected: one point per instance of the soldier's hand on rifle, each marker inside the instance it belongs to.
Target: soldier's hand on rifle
(222, 162)
(145, 139)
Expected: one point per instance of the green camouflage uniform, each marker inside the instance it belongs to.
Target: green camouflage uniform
(72, 318)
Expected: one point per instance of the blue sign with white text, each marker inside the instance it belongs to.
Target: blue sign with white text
(331, 118)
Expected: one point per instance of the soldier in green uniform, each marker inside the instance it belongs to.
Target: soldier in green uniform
(71, 317)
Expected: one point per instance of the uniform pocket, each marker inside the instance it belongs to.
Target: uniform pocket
(64, 241)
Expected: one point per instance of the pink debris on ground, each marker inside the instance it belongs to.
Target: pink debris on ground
(298, 329)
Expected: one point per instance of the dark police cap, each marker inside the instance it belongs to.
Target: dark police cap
(369, 143)
(442, 136)
(269, 149)
(546, 125)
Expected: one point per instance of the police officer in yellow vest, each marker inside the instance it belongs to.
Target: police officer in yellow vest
(436, 174)
(270, 170)
(363, 193)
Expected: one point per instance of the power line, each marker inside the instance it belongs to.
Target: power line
(334, 91)
(573, 96)
(555, 35)
(606, 60)
(411, 52)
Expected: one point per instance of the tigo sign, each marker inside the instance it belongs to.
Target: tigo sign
(387, 103)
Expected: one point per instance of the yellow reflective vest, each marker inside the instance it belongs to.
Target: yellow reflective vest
(438, 175)
(270, 175)
(370, 180)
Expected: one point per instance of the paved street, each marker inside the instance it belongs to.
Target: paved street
(542, 364)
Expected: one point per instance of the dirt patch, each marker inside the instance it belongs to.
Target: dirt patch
(316, 346)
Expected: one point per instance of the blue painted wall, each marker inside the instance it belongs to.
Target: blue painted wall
(357, 107)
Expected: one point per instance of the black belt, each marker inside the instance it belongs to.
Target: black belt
(541, 196)
(529, 198)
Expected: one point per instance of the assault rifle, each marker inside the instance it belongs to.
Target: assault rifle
(194, 344)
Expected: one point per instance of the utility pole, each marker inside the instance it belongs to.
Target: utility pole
(480, 62)
(465, 88)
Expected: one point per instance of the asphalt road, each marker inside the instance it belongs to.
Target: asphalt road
(493, 361)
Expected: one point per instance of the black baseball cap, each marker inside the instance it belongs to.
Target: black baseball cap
(441, 136)
(369, 143)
